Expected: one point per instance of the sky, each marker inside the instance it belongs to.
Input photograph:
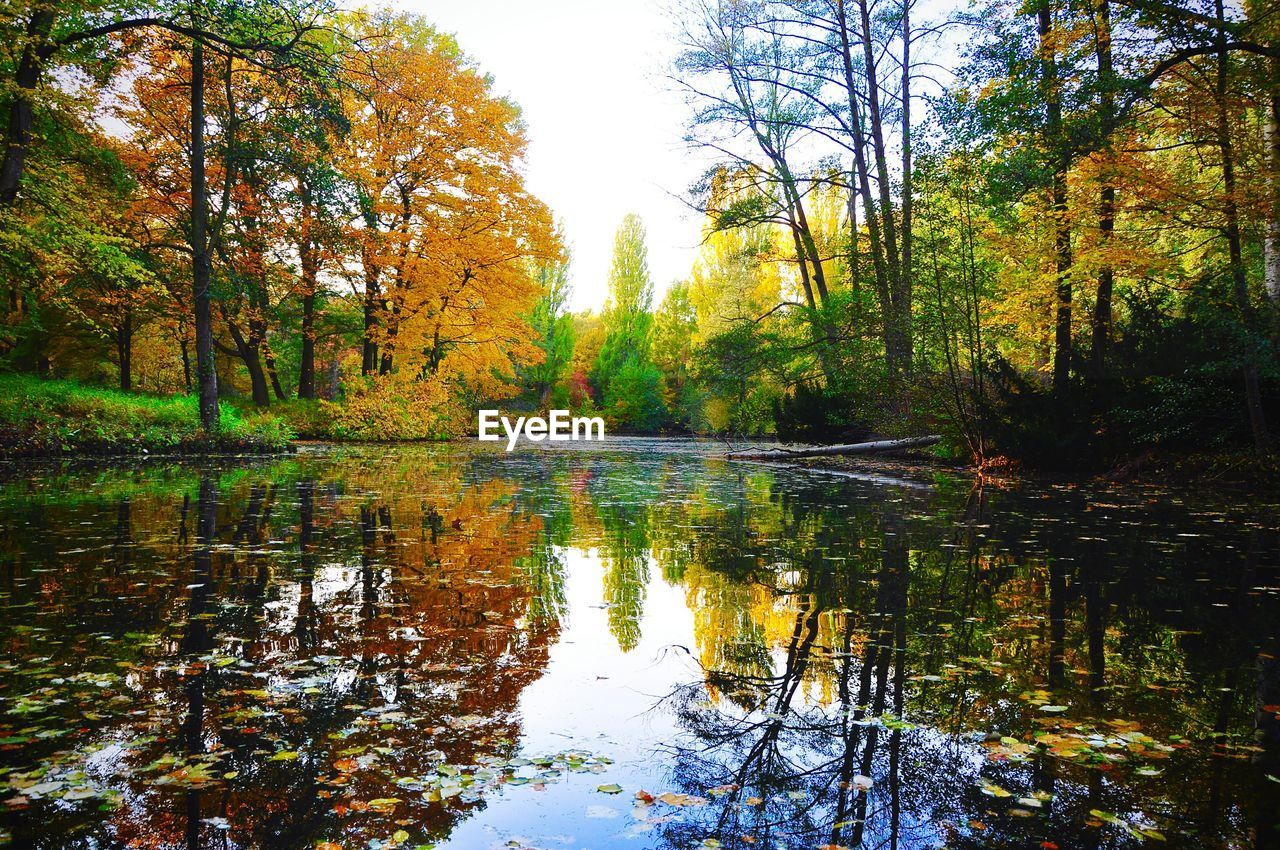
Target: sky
(605, 127)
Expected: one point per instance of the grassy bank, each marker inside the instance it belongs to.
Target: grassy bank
(43, 418)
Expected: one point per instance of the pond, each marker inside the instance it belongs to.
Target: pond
(633, 644)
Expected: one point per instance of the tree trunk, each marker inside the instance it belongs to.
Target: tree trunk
(1102, 321)
(273, 374)
(335, 385)
(18, 132)
(902, 298)
(307, 366)
(897, 357)
(846, 449)
(201, 271)
(1062, 227)
(879, 262)
(310, 270)
(124, 350)
(372, 294)
(1240, 283)
(802, 264)
(248, 352)
(369, 348)
(806, 235)
(186, 362)
(1271, 245)
(391, 313)
(855, 280)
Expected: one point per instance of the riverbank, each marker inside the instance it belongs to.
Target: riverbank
(58, 419)
(1221, 470)
(52, 418)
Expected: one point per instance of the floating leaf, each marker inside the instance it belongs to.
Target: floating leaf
(673, 799)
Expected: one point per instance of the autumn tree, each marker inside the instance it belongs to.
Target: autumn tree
(446, 231)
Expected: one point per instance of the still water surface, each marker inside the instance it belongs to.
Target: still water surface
(633, 645)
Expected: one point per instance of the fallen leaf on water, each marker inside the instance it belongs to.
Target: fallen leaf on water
(673, 799)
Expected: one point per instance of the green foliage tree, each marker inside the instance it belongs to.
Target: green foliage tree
(674, 326)
(627, 382)
(554, 336)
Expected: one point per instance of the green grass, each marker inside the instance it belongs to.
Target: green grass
(42, 417)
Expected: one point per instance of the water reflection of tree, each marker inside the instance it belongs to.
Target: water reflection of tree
(947, 612)
(824, 611)
(622, 499)
(310, 610)
(781, 766)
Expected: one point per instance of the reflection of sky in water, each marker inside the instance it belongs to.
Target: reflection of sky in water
(596, 697)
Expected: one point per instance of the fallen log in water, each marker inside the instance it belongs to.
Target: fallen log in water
(848, 449)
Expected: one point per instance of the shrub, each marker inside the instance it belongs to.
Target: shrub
(389, 409)
(819, 414)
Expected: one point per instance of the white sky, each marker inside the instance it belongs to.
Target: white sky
(605, 129)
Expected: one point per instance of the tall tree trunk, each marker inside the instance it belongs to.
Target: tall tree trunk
(811, 279)
(1271, 245)
(250, 354)
(897, 358)
(802, 263)
(258, 297)
(902, 297)
(186, 362)
(1240, 283)
(855, 280)
(879, 262)
(1102, 321)
(1102, 318)
(372, 296)
(124, 350)
(18, 132)
(1062, 226)
(805, 234)
(269, 359)
(391, 304)
(307, 366)
(335, 384)
(201, 271)
(310, 270)
(369, 346)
